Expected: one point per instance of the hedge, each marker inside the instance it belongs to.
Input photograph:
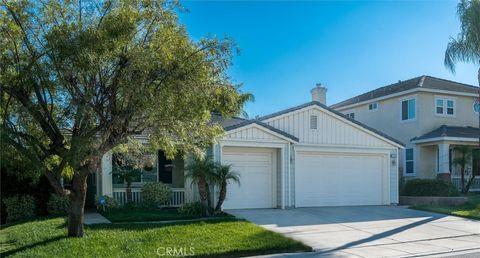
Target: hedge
(428, 187)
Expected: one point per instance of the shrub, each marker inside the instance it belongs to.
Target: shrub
(109, 203)
(19, 207)
(155, 194)
(58, 204)
(429, 187)
(191, 209)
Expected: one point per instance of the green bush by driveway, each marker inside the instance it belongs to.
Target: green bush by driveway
(46, 238)
(428, 187)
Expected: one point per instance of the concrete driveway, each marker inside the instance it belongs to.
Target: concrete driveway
(370, 231)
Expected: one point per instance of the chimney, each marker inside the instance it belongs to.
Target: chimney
(319, 93)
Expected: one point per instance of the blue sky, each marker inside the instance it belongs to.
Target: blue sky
(349, 47)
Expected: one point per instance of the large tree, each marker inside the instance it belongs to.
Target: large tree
(79, 77)
(466, 47)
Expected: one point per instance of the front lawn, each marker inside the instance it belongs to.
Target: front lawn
(133, 215)
(142, 215)
(46, 238)
(471, 209)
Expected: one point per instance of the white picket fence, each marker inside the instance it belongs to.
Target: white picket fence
(177, 199)
(475, 187)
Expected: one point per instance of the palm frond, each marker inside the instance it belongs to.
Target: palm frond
(466, 46)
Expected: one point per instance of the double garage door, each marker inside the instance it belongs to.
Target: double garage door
(321, 179)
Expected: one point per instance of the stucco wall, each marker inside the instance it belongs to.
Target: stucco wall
(387, 119)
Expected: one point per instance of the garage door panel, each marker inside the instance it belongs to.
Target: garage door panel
(256, 167)
(325, 179)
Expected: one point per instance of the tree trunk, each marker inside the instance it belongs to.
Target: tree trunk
(77, 205)
(478, 75)
(202, 191)
(469, 183)
(209, 196)
(221, 196)
(129, 192)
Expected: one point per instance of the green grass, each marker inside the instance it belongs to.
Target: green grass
(471, 209)
(47, 238)
(142, 215)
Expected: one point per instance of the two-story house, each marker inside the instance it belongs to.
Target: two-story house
(430, 115)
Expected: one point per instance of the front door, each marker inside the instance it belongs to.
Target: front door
(165, 168)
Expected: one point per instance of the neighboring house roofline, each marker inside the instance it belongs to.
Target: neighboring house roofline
(264, 125)
(418, 84)
(339, 115)
(449, 133)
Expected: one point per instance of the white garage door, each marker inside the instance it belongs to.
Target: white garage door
(257, 180)
(326, 179)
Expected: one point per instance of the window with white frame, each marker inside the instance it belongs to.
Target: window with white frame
(350, 115)
(373, 106)
(313, 122)
(408, 109)
(444, 106)
(409, 162)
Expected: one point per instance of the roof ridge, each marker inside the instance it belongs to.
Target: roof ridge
(379, 88)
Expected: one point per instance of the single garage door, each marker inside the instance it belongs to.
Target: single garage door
(256, 167)
(337, 179)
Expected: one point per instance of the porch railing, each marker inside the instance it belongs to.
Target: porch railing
(176, 200)
(475, 187)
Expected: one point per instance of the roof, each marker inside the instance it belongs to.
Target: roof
(226, 122)
(316, 103)
(424, 81)
(451, 131)
(269, 127)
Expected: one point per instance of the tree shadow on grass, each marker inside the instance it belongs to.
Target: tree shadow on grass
(152, 224)
(32, 245)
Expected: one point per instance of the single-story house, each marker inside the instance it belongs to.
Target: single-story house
(305, 156)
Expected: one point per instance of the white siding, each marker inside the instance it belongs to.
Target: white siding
(332, 130)
(251, 133)
(394, 176)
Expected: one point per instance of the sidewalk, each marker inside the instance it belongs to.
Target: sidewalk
(93, 217)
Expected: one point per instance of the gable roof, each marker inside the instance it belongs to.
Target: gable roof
(322, 106)
(451, 131)
(262, 124)
(237, 122)
(427, 82)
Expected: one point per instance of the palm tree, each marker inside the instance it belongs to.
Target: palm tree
(466, 47)
(462, 161)
(223, 176)
(202, 171)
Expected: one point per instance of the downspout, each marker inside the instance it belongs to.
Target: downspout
(283, 177)
(289, 177)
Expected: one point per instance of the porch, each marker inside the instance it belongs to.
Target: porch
(439, 149)
(169, 172)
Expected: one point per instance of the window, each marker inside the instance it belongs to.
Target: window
(373, 106)
(409, 163)
(408, 109)
(350, 115)
(120, 166)
(439, 106)
(313, 122)
(444, 107)
(476, 106)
